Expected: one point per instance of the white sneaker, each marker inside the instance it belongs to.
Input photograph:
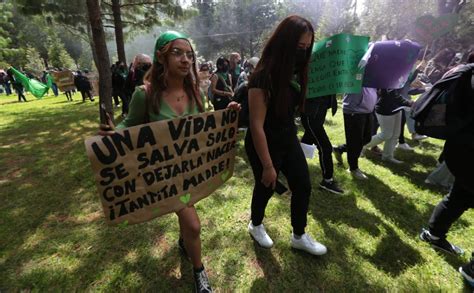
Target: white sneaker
(392, 160)
(416, 136)
(308, 244)
(405, 147)
(357, 173)
(259, 234)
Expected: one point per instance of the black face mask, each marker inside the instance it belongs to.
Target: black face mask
(300, 59)
(225, 68)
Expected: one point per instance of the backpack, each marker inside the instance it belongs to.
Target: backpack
(210, 95)
(448, 106)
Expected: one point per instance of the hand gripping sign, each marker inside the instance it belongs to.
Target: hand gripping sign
(149, 170)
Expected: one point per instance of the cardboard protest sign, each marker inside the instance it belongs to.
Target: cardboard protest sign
(389, 63)
(149, 170)
(428, 28)
(333, 68)
(64, 80)
(94, 80)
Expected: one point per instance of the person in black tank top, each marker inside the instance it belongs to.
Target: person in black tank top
(277, 90)
(221, 85)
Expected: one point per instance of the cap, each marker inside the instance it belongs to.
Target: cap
(254, 61)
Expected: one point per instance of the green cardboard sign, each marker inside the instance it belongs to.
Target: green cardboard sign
(334, 65)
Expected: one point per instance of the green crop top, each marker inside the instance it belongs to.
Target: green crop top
(137, 108)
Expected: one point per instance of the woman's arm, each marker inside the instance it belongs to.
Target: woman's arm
(258, 111)
(214, 90)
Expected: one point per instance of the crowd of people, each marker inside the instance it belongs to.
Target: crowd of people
(270, 92)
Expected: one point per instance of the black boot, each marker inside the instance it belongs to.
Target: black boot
(467, 271)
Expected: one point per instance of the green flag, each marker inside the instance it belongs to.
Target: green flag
(49, 80)
(35, 87)
(334, 65)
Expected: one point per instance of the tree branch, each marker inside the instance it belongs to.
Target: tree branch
(141, 3)
(76, 33)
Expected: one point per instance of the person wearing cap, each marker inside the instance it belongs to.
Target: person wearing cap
(248, 69)
(171, 90)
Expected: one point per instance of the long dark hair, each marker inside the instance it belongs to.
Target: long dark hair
(278, 62)
(155, 82)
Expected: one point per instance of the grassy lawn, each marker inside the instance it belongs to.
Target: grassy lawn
(53, 236)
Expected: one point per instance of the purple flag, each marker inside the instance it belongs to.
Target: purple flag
(390, 63)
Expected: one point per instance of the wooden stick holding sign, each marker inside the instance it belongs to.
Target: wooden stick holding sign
(146, 171)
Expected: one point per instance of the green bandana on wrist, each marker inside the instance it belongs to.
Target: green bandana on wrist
(165, 38)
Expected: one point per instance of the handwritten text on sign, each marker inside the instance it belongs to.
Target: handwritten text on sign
(149, 170)
(334, 65)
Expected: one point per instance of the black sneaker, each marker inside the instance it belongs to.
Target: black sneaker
(331, 186)
(201, 281)
(441, 243)
(338, 155)
(467, 271)
(182, 249)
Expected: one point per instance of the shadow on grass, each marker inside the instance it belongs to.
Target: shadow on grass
(53, 235)
(394, 206)
(393, 255)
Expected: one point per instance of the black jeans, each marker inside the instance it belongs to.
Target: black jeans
(450, 209)
(287, 157)
(314, 133)
(86, 94)
(21, 96)
(124, 100)
(358, 129)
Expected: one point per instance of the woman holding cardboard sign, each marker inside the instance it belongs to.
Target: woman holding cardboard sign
(277, 89)
(171, 90)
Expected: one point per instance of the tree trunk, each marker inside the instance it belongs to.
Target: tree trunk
(45, 63)
(451, 6)
(103, 63)
(118, 30)
(91, 43)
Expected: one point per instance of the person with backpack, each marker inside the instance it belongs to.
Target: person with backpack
(119, 76)
(388, 112)
(17, 86)
(221, 85)
(358, 120)
(277, 90)
(452, 100)
(83, 85)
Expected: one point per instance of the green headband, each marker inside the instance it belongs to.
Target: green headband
(165, 38)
